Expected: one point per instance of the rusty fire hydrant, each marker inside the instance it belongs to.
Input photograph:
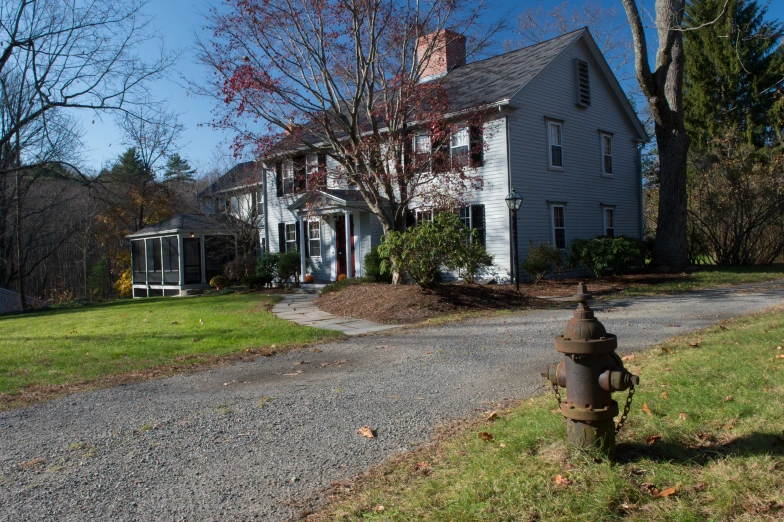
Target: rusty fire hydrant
(590, 372)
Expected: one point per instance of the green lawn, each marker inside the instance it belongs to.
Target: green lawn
(57, 347)
(711, 276)
(712, 433)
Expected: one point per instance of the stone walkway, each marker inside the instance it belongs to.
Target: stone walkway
(300, 309)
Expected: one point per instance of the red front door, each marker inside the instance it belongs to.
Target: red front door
(340, 244)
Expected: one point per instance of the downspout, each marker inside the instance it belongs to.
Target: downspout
(639, 188)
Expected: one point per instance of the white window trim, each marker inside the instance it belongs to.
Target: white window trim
(604, 220)
(466, 132)
(602, 136)
(292, 241)
(288, 168)
(417, 213)
(553, 206)
(550, 165)
(310, 239)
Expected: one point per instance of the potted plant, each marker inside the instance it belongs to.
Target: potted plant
(220, 282)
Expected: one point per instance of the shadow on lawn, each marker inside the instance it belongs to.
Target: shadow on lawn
(702, 451)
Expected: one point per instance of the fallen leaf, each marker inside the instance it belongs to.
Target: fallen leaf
(367, 432)
(316, 350)
(195, 340)
(667, 369)
(428, 353)
(493, 416)
(562, 481)
(701, 487)
(673, 325)
(683, 416)
(646, 409)
(722, 327)
(485, 436)
(664, 395)
(728, 398)
(628, 507)
(778, 348)
(652, 439)
(201, 322)
(301, 362)
(293, 374)
(666, 493)
(694, 344)
(648, 487)
(780, 356)
(175, 322)
(379, 509)
(665, 350)
(627, 357)
(501, 445)
(30, 464)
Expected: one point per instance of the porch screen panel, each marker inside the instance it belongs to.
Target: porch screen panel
(218, 252)
(139, 261)
(191, 261)
(171, 260)
(154, 265)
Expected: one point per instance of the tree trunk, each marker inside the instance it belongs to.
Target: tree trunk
(20, 269)
(670, 247)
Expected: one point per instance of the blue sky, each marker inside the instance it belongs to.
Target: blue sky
(178, 21)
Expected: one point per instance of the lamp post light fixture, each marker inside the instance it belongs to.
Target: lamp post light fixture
(514, 201)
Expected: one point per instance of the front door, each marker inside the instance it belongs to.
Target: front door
(340, 245)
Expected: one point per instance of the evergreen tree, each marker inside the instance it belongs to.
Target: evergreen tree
(178, 169)
(732, 69)
(128, 167)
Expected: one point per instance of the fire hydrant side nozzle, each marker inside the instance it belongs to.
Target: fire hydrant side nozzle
(590, 371)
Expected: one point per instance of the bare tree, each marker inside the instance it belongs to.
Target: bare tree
(607, 26)
(63, 54)
(663, 90)
(345, 78)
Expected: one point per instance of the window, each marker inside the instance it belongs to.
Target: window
(260, 203)
(291, 237)
(582, 84)
(423, 216)
(263, 245)
(555, 144)
(609, 222)
(422, 144)
(559, 226)
(459, 145)
(314, 238)
(473, 217)
(154, 260)
(171, 259)
(607, 163)
(289, 184)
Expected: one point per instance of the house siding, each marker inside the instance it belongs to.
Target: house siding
(580, 185)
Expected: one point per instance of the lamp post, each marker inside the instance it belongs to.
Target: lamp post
(514, 201)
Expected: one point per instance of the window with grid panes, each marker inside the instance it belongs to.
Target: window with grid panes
(559, 226)
(609, 222)
(314, 238)
(291, 237)
(555, 138)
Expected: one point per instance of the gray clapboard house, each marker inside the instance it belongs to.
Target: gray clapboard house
(564, 136)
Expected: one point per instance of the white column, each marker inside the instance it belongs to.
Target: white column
(302, 231)
(347, 214)
(180, 264)
(203, 261)
(358, 241)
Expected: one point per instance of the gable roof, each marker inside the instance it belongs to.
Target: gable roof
(498, 78)
(200, 223)
(246, 173)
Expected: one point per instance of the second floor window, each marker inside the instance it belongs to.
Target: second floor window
(607, 159)
(289, 184)
(459, 145)
(259, 203)
(555, 144)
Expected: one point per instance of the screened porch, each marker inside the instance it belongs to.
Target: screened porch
(180, 255)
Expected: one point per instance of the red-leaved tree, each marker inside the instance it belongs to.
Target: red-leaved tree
(344, 78)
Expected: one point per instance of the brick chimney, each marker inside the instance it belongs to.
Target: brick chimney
(448, 50)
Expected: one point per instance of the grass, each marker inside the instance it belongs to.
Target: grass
(83, 345)
(714, 434)
(711, 276)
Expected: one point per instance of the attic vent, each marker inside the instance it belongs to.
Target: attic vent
(582, 84)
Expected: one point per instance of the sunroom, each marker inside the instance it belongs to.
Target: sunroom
(179, 255)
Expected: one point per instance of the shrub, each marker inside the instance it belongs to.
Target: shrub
(617, 254)
(541, 259)
(288, 267)
(100, 280)
(422, 251)
(240, 267)
(256, 281)
(220, 281)
(373, 267)
(267, 266)
(124, 285)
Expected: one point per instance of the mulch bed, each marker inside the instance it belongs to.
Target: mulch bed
(406, 304)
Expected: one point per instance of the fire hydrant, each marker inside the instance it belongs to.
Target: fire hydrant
(590, 372)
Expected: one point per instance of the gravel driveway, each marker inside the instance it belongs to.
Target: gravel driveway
(251, 440)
